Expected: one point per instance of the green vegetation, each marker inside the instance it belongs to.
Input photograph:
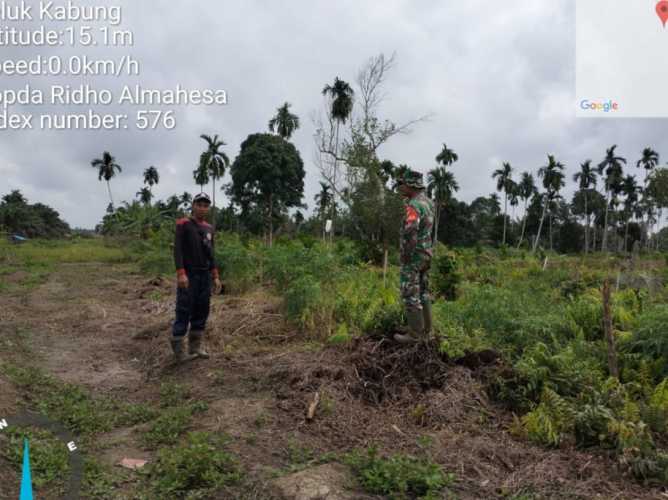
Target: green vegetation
(399, 476)
(48, 456)
(194, 469)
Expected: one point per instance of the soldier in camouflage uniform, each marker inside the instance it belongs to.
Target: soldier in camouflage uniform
(416, 253)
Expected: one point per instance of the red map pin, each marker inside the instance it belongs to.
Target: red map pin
(662, 11)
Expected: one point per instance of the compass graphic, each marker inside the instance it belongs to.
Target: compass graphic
(73, 484)
(26, 480)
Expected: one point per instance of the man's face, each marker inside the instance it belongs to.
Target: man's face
(201, 209)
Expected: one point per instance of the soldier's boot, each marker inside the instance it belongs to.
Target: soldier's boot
(195, 347)
(416, 326)
(177, 347)
(426, 314)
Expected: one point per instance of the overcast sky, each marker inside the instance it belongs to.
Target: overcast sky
(498, 78)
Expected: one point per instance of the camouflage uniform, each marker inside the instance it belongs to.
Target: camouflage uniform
(416, 245)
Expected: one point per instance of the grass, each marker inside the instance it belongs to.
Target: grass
(49, 459)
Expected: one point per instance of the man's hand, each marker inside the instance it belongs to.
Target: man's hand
(182, 281)
(217, 286)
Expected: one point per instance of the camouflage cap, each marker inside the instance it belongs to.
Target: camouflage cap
(413, 179)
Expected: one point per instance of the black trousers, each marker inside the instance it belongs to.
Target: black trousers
(192, 303)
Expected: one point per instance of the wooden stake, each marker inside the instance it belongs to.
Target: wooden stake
(609, 333)
(311, 408)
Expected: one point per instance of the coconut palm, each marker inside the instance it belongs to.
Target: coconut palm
(612, 167)
(440, 184)
(553, 181)
(214, 162)
(284, 123)
(587, 179)
(107, 168)
(503, 178)
(342, 99)
(525, 190)
(151, 177)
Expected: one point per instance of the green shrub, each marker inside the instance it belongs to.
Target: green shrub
(650, 339)
(399, 476)
(551, 421)
(444, 275)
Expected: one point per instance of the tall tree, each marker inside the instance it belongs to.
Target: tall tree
(323, 199)
(630, 189)
(145, 195)
(526, 189)
(214, 162)
(648, 161)
(341, 97)
(151, 177)
(612, 167)
(440, 184)
(586, 179)
(268, 174)
(447, 156)
(503, 178)
(553, 181)
(107, 168)
(284, 123)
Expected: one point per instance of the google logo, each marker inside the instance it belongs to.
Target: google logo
(606, 106)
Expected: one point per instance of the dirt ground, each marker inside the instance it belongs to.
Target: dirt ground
(106, 328)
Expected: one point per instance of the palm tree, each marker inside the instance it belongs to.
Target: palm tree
(323, 200)
(186, 200)
(649, 161)
(342, 98)
(107, 167)
(284, 123)
(151, 177)
(145, 195)
(612, 166)
(441, 184)
(201, 176)
(526, 189)
(446, 157)
(586, 178)
(214, 162)
(503, 178)
(630, 189)
(553, 181)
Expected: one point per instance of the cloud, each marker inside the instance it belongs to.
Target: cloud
(498, 78)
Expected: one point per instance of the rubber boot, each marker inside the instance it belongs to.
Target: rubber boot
(177, 347)
(195, 347)
(426, 314)
(415, 325)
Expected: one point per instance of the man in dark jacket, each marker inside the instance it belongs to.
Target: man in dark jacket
(195, 270)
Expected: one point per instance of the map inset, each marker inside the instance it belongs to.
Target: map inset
(621, 65)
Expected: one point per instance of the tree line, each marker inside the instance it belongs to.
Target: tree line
(610, 210)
